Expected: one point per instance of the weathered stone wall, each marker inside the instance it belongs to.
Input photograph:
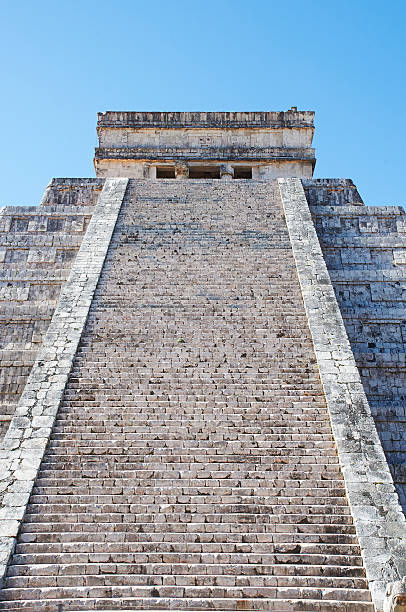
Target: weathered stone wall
(72, 192)
(147, 168)
(27, 437)
(201, 138)
(365, 251)
(37, 248)
(378, 516)
(277, 144)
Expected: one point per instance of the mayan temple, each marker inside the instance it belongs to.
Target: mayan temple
(203, 378)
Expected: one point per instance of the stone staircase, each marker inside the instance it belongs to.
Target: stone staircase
(192, 464)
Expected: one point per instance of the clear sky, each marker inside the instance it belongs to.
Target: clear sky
(64, 61)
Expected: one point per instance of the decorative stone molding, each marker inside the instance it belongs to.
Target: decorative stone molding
(25, 442)
(378, 518)
(157, 119)
(214, 153)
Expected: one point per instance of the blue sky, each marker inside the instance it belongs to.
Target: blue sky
(64, 61)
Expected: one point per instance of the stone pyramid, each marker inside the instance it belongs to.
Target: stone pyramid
(203, 388)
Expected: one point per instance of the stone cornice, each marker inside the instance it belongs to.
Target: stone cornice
(209, 153)
(260, 119)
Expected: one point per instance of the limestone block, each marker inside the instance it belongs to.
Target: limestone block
(5, 223)
(355, 255)
(394, 292)
(18, 292)
(331, 223)
(19, 224)
(38, 224)
(42, 255)
(399, 256)
(74, 224)
(16, 256)
(369, 224)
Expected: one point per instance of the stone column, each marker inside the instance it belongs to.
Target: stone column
(226, 172)
(181, 170)
(148, 171)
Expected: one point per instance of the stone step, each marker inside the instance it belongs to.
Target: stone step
(141, 407)
(186, 592)
(389, 240)
(205, 483)
(192, 407)
(38, 239)
(90, 431)
(197, 579)
(163, 557)
(300, 456)
(295, 516)
(256, 548)
(172, 488)
(149, 605)
(253, 409)
(303, 525)
(189, 569)
(187, 433)
(139, 443)
(182, 502)
(102, 473)
(332, 505)
(126, 604)
(185, 495)
(142, 536)
(111, 469)
(145, 437)
(80, 422)
(111, 397)
(190, 481)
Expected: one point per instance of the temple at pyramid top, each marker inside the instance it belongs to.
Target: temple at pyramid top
(224, 145)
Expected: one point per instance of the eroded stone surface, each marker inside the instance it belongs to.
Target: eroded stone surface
(271, 143)
(363, 247)
(26, 439)
(192, 463)
(378, 518)
(37, 248)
